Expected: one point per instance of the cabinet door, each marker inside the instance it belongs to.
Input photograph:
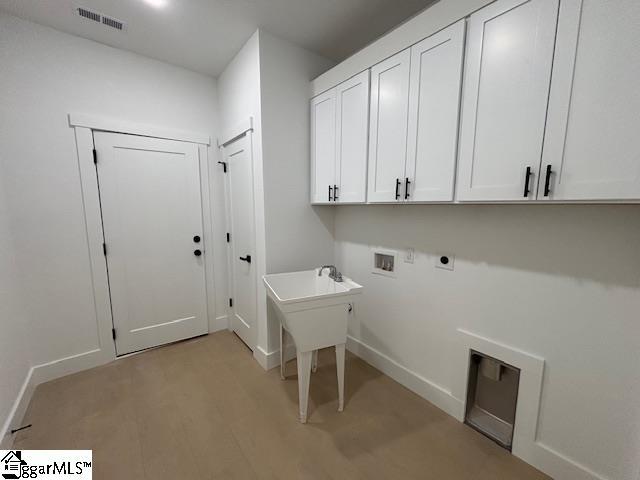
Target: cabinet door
(352, 106)
(592, 144)
(388, 127)
(434, 103)
(323, 146)
(506, 87)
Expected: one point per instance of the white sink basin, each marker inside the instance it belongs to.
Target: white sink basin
(314, 310)
(288, 289)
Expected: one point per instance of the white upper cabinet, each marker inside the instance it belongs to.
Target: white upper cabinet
(434, 104)
(592, 144)
(388, 128)
(546, 108)
(510, 46)
(323, 146)
(352, 128)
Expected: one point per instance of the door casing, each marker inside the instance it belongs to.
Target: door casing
(245, 131)
(84, 126)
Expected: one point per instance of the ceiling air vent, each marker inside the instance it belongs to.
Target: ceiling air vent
(101, 18)
(83, 12)
(113, 23)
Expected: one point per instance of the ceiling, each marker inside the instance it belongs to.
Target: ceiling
(203, 35)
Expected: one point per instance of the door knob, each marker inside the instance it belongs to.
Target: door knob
(197, 253)
(196, 238)
(246, 259)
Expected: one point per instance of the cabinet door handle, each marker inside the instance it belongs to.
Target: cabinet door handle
(398, 188)
(406, 187)
(527, 178)
(547, 181)
(335, 193)
(330, 192)
(246, 259)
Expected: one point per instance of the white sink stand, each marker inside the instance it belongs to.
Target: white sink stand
(308, 363)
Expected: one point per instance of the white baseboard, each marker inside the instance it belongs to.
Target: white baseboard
(16, 414)
(560, 467)
(428, 390)
(540, 456)
(43, 373)
(269, 360)
(68, 365)
(219, 323)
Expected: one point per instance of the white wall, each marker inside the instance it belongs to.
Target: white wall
(269, 81)
(561, 282)
(239, 93)
(298, 236)
(45, 75)
(15, 355)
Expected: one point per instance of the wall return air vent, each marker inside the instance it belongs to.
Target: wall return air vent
(101, 18)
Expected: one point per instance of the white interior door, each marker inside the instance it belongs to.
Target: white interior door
(352, 129)
(152, 214)
(506, 88)
(592, 144)
(434, 103)
(323, 147)
(241, 218)
(388, 131)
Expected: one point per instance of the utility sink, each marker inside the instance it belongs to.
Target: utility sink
(314, 310)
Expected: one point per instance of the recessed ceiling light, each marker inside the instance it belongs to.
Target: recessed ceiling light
(157, 3)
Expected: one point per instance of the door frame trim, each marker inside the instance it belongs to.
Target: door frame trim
(259, 270)
(84, 126)
(236, 132)
(108, 124)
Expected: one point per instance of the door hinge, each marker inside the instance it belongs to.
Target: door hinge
(104, 249)
(95, 156)
(113, 333)
(231, 302)
(228, 237)
(224, 166)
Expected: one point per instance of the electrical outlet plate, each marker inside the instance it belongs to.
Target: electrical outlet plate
(409, 255)
(445, 261)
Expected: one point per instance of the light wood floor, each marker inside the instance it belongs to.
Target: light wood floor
(204, 409)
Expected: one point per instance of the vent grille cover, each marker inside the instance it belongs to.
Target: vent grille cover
(113, 23)
(83, 12)
(101, 18)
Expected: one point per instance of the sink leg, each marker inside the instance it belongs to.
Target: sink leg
(314, 362)
(282, 365)
(304, 376)
(340, 370)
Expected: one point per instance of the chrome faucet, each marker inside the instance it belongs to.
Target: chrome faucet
(334, 274)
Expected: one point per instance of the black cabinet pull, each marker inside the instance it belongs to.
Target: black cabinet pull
(335, 193)
(330, 192)
(398, 188)
(246, 259)
(406, 187)
(196, 238)
(527, 178)
(197, 253)
(547, 180)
